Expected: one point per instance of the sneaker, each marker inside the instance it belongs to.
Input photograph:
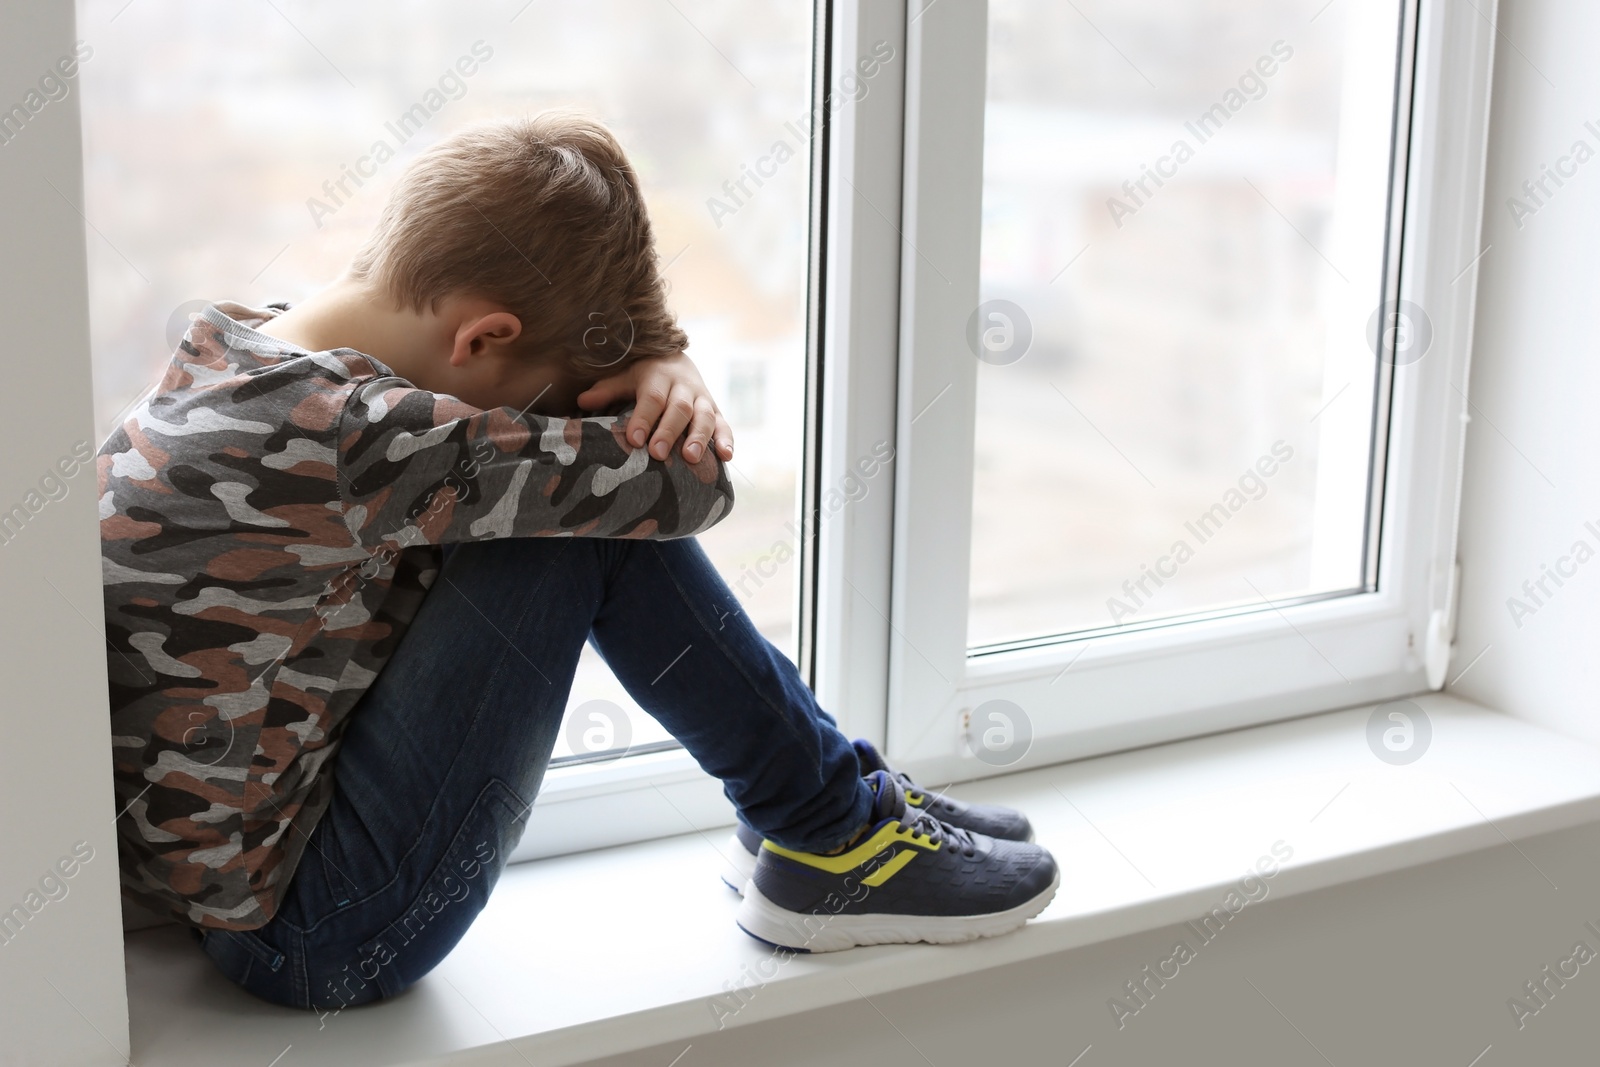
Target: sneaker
(991, 820)
(909, 878)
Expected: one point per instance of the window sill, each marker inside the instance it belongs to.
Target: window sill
(604, 952)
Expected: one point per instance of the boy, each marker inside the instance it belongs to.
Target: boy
(352, 550)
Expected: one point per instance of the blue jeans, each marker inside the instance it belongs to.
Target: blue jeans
(444, 754)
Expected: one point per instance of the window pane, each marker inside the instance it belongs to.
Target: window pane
(218, 135)
(1184, 211)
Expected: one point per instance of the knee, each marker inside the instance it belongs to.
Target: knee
(510, 566)
(508, 551)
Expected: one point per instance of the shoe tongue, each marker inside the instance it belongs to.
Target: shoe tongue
(868, 757)
(890, 799)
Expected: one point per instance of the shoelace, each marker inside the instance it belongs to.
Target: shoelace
(909, 787)
(919, 822)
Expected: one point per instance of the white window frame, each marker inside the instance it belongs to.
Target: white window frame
(1119, 690)
(899, 187)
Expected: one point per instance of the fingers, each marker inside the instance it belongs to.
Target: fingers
(670, 402)
(649, 403)
(701, 428)
(675, 418)
(604, 393)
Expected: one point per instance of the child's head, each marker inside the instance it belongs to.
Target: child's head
(542, 216)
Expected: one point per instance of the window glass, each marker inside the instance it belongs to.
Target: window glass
(1184, 221)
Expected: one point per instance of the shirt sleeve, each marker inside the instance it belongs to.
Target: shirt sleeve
(422, 468)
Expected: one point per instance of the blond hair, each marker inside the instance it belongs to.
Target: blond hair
(543, 216)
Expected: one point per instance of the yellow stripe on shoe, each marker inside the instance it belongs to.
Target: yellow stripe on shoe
(887, 836)
(888, 870)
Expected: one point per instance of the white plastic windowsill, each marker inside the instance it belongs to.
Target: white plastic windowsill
(604, 952)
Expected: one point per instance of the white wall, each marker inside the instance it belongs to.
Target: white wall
(61, 979)
(1533, 447)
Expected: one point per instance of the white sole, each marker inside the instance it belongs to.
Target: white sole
(740, 865)
(764, 920)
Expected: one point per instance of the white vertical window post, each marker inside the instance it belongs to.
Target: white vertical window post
(1425, 68)
(863, 252)
(946, 47)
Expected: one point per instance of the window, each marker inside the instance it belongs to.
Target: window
(1033, 295)
(1177, 436)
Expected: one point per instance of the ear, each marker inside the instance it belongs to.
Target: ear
(478, 334)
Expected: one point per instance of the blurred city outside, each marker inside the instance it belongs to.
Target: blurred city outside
(211, 130)
(1182, 323)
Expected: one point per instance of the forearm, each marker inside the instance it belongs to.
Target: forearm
(501, 474)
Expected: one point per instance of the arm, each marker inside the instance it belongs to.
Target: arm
(423, 468)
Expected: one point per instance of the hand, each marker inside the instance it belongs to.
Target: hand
(669, 397)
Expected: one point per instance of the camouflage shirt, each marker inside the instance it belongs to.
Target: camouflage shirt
(269, 526)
